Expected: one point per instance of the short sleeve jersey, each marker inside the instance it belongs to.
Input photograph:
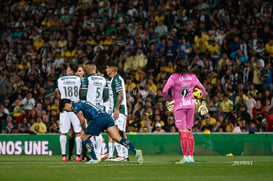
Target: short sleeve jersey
(94, 85)
(69, 87)
(117, 85)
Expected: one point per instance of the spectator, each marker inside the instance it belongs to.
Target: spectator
(269, 121)
(28, 102)
(24, 126)
(5, 87)
(226, 105)
(38, 127)
(158, 128)
(10, 127)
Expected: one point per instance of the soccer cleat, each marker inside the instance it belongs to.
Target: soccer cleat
(139, 156)
(191, 160)
(109, 159)
(104, 156)
(184, 160)
(126, 159)
(92, 162)
(119, 159)
(64, 159)
(78, 159)
(86, 158)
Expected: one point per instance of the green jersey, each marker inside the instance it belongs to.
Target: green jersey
(117, 85)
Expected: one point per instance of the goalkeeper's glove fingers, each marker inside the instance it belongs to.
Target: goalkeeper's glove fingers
(203, 108)
(170, 105)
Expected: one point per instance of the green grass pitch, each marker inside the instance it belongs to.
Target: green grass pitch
(157, 167)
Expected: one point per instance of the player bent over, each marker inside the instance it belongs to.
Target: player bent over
(100, 121)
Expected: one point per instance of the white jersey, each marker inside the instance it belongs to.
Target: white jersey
(109, 104)
(95, 87)
(69, 87)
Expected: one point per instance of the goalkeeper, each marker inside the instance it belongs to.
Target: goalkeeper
(181, 84)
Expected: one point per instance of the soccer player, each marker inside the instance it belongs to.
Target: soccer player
(96, 92)
(99, 121)
(119, 109)
(68, 86)
(71, 141)
(181, 84)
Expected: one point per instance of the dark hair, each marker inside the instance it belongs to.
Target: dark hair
(112, 63)
(181, 66)
(74, 67)
(62, 104)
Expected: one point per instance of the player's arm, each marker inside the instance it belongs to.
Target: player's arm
(119, 101)
(58, 95)
(81, 118)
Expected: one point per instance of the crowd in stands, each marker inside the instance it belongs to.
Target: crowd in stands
(229, 45)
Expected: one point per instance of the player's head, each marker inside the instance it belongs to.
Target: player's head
(90, 67)
(181, 66)
(65, 105)
(111, 68)
(72, 68)
(80, 72)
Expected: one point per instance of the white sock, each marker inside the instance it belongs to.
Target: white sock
(124, 151)
(98, 145)
(93, 140)
(63, 144)
(119, 149)
(78, 145)
(111, 150)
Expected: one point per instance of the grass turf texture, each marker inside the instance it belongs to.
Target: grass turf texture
(159, 167)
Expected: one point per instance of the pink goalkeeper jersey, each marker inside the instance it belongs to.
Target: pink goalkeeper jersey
(182, 87)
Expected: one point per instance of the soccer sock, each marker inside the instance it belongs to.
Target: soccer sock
(124, 151)
(111, 149)
(90, 148)
(83, 150)
(119, 149)
(128, 145)
(63, 144)
(190, 143)
(92, 139)
(184, 142)
(71, 143)
(78, 145)
(98, 145)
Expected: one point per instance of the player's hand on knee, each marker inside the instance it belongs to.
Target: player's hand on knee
(203, 108)
(170, 105)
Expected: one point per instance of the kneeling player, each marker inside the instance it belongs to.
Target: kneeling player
(99, 121)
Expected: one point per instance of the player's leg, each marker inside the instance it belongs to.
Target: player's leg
(189, 125)
(71, 144)
(98, 145)
(180, 122)
(77, 129)
(90, 148)
(111, 148)
(123, 118)
(64, 128)
(114, 133)
(122, 150)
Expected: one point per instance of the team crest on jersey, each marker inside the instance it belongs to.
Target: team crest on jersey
(184, 92)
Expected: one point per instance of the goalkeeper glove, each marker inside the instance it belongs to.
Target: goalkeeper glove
(203, 108)
(170, 105)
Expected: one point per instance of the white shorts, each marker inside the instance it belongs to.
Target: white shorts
(68, 118)
(121, 122)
